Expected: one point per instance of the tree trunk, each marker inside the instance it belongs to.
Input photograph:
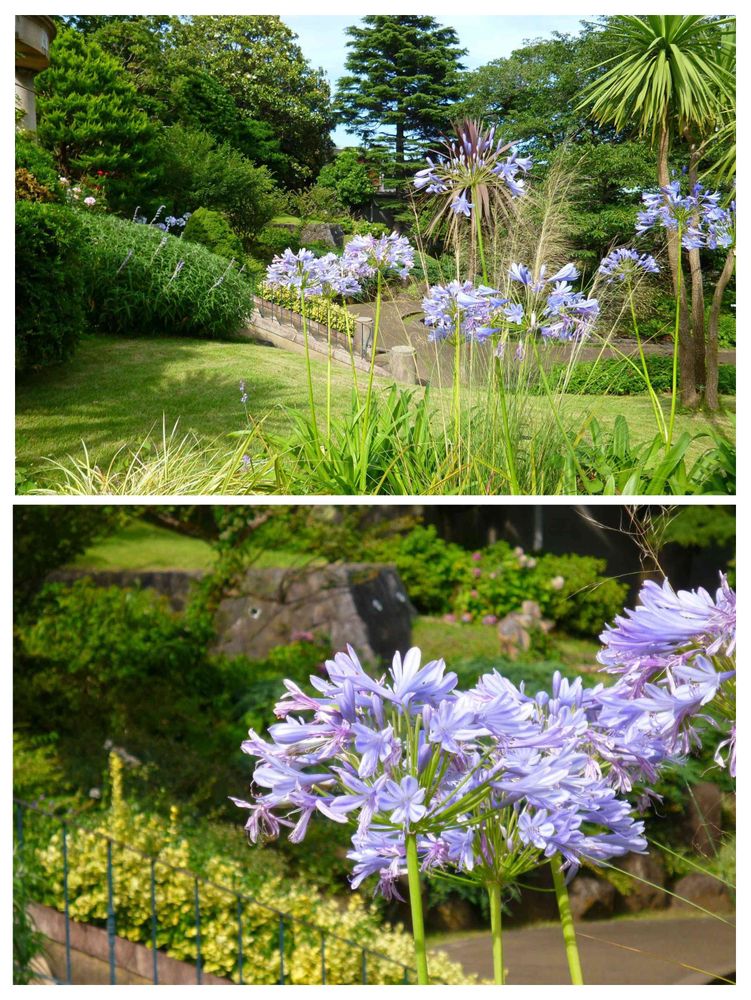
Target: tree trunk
(400, 146)
(711, 395)
(687, 364)
(697, 278)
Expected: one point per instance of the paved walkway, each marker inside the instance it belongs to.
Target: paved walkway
(690, 950)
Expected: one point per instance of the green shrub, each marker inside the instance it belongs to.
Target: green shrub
(199, 172)
(212, 230)
(317, 307)
(116, 663)
(50, 314)
(272, 241)
(28, 942)
(443, 578)
(361, 227)
(36, 159)
(575, 593)
(616, 377)
(435, 271)
(430, 567)
(141, 281)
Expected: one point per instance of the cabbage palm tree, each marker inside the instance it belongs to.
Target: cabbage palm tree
(671, 77)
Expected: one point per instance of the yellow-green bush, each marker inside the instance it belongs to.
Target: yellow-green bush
(317, 307)
(350, 919)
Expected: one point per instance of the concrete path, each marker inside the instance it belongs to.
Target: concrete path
(627, 952)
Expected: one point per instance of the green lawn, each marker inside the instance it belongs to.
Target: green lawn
(116, 391)
(139, 545)
(473, 646)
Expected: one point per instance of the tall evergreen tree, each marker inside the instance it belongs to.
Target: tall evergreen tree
(90, 116)
(404, 73)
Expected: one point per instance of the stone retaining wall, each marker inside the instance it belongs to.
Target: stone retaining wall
(90, 956)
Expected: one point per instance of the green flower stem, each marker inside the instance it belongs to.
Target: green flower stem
(457, 399)
(480, 246)
(660, 419)
(328, 374)
(350, 341)
(494, 894)
(508, 446)
(310, 378)
(415, 901)
(676, 337)
(369, 393)
(567, 922)
(556, 414)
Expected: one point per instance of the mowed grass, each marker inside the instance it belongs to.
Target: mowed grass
(459, 643)
(116, 391)
(139, 545)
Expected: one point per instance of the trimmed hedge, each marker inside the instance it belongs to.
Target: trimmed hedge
(616, 377)
(50, 310)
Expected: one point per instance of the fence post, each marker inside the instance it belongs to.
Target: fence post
(198, 935)
(281, 949)
(110, 915)
(361, 335)
(68, 970)
(364, 970)
(323, 958)
(153, 921)
(404, 363)
(240, 938)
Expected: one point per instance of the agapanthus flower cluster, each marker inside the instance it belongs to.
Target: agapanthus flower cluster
(469, 165)
(674, 655)
(549, 305)
(463, 308)
(627, 264)
(485, 781)
(702, 221)
(368, 255)
(363, 258)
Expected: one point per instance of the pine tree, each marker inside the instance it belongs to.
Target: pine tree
(90, 117)
(404, 75)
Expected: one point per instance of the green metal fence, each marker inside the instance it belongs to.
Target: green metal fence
(283, 921)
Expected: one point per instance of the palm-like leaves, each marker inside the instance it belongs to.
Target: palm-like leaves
(671, 69)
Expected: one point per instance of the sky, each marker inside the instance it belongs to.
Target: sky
(323, 41)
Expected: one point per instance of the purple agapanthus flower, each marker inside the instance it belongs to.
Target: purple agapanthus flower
(473, 161)
(298, 271)
(626, 263)
(366, 256)
(664, 621)
(404, 800)
(703, 222)
(460, 307)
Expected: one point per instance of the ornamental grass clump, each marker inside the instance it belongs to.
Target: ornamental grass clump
(142, 280)
(485, 785)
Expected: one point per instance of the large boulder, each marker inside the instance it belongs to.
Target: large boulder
(646, 868)
(322, 232)
(701, 890)
(591, 898)
(363, 604)
(702, 827)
